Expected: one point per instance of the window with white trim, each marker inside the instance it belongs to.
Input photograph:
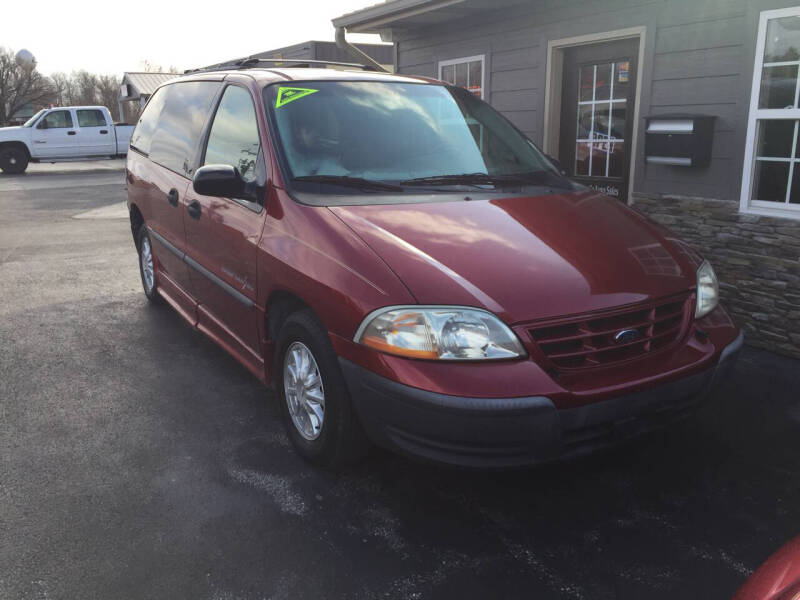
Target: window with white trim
(602, 112)
(464, 72)
(771, 182)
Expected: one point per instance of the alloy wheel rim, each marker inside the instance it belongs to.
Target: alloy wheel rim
(147, 265)
(305, 395)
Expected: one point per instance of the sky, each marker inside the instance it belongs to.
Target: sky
(114, 37)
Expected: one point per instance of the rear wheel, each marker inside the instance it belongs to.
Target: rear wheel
(147, 265)
(315, 403)
(13, 160)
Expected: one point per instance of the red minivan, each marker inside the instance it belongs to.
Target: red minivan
(406, 268)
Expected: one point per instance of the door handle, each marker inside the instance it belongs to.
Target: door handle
(194, 209)
(172, 197)
(104, 131)
(70, 133)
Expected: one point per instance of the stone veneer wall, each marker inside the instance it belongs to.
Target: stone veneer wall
(756, 258)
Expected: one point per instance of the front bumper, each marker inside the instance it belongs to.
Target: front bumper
(483, 432)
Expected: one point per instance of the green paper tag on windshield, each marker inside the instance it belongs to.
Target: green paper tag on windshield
(290, 94)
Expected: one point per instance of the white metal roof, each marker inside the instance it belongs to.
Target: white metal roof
(144, 84)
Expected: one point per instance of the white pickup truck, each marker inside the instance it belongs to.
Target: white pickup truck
(63, 134)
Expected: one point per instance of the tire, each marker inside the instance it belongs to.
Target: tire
(338, 440)
(13, 160)
(149, 279)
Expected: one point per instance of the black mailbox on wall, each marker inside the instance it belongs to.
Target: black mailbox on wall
(682, 140)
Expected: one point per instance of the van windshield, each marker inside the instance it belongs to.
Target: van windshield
(379, 137)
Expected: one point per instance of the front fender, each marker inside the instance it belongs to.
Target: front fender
(16, 136)
(310, 253)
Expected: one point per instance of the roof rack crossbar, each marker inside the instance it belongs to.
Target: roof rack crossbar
(252, 61)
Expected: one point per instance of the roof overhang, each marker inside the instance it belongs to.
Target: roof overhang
(390, 14)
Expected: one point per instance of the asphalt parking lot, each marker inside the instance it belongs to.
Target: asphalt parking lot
(137, 460)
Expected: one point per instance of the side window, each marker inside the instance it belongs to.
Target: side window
(91, 118)
(143, 134)
(180, 124)
(464, 72)
(58, 119)
(233, 139)
(771, 182)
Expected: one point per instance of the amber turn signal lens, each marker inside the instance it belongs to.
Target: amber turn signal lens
(379, 344)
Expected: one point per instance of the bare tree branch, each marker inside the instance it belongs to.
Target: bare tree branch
(21, 85)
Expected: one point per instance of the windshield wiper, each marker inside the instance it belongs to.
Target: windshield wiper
(453, 179)
(354, 182)
(480, 179)
(546, 178)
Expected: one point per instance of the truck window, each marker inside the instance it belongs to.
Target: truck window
(234, 134)
(32, 120)
(180, 124)
(91, 118)
(58, 119)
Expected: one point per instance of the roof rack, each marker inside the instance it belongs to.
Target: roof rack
(251, 61)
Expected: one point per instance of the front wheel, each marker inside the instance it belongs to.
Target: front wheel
(315, 402)
(13, 160)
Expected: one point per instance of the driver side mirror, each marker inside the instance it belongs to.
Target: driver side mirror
(223, 181)
(42, 124)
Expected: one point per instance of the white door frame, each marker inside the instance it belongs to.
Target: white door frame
(554, 82)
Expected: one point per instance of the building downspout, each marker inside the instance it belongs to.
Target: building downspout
(341, 42)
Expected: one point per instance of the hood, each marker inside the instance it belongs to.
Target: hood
(5, 131)
(526, 258)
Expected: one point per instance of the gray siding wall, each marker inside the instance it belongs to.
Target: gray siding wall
(317, 50)
(698, 58)
(296, 52)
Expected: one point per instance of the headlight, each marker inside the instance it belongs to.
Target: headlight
(439, 333)
(707, 290)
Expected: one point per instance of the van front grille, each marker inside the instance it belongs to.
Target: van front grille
(613, 337)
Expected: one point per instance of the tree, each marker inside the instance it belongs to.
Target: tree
(85, 87)
(63, 89)
(21, 85)
(108, 94)
(132, 112)
(150, 67)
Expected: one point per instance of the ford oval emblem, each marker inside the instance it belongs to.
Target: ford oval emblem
(626, 336)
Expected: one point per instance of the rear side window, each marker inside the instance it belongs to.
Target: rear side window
(58, 119)
(143, 134)
(91, 118)
(234, 135)
(180, 124)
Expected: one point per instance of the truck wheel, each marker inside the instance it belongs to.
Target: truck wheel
(147, 265)
(13, 160)
(315, 403)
